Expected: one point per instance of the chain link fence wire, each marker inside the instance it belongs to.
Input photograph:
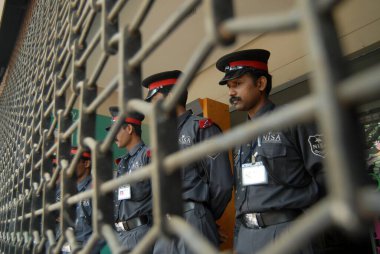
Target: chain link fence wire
(48, 75)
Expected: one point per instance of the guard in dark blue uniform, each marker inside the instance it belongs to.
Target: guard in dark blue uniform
(83, 228)
(278, 174)
(207, 184)
(83, 211)
(133, 202)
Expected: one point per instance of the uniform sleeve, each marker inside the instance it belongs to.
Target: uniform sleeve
(58, 194)
(311, 146)
(141, 190)
(220, 177)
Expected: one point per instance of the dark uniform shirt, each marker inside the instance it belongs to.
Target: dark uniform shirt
(140, 202)
(208, 181)
(83, 213)
(293, 159)
(83, 229)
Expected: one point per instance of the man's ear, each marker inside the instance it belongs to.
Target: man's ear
(129, 129)
(262, 83)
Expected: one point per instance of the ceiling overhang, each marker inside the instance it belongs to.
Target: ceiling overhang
(12, 16)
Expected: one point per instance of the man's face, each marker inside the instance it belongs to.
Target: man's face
(244, 92)
(123, 137)
(81, 169)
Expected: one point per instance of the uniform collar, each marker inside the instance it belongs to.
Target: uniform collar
(269, 106)
(182, 118)
(134, 150)
(83, 183)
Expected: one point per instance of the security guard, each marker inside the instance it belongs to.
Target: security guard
(278, 174)
(83, 228)
(133, 202)
(207, 184)
(83, 211)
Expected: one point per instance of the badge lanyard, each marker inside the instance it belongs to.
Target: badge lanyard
(124, 192)
(253, 147)
(128, 158)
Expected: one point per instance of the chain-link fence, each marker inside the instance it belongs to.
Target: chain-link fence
(47, 76)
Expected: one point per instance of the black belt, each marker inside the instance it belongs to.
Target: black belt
(132, 223)
(262, 220)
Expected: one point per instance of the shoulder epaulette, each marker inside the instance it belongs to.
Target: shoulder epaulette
(148, 153)
(205, 123)
(117, 161)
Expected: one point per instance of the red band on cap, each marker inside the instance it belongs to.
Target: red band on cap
(165, 82)
(84, 154)
(128, 120)
(132, 120)
(254, 64)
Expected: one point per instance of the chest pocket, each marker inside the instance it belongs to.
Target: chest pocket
(274, 158)
(272, 151)
(279, 166)
(135, 164)
(84, 213)
(85, 210)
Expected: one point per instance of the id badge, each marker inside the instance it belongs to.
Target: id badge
(254, 174)
(124, 192)
(66, 247)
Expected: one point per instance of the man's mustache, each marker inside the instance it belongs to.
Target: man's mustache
(234, 99)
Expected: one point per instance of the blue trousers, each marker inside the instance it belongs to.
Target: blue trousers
(201, 219)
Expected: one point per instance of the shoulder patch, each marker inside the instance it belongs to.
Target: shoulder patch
(205, 123)
(148, 153)
(117, 161)
(317, 145)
